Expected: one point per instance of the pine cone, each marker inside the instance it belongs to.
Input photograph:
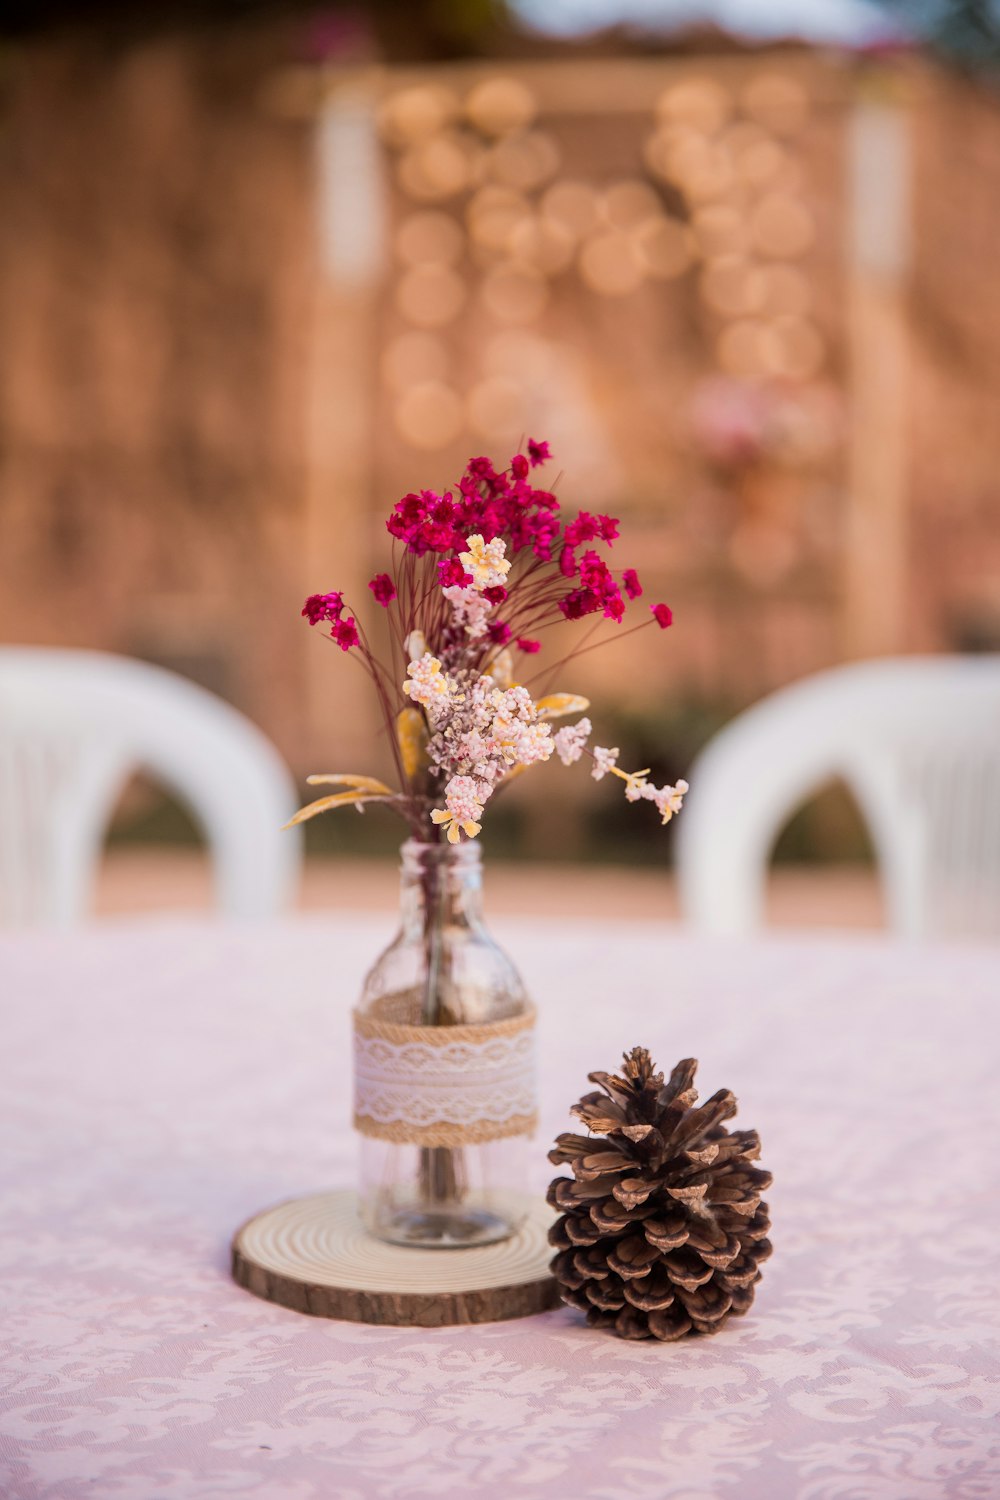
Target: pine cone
(662, 1228)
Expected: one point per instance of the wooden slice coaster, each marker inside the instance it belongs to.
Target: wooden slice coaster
(314, 1255)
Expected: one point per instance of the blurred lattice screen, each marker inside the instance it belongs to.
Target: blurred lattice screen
(645, 264)
(247, 304)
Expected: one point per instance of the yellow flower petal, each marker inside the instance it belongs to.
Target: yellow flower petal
(362, 783)
(438, 815)
(471, 829)
(628, 775)
(453, 834)
(411, 734)
(326, 804)
(556, 705)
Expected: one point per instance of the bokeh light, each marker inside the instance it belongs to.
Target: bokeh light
(439, 167)
(412, 358)
(514, 293)
(781, 227)
(498, 106)
(412, 114)
(572, 205)
(701, 102)
(496, 407)
(429, 415)
(430, 295)
(663, 247)
(493, 213)
(732, 286)
(628, 203)
(524, 162)
(610, 264)
(777, 101)
(429, 237)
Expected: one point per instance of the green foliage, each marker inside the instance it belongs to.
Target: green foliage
(965, 31)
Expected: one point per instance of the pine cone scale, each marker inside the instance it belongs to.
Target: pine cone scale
(662, 1230)
(581, 1231)
(633, 1257)
(601, 1164)
(612, 1217)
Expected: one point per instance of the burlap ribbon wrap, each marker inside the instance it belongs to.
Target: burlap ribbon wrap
(444, 1085)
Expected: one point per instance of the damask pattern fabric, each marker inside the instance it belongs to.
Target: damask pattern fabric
(164, 1080)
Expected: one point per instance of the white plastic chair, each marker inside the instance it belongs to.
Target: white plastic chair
(916, 740)
(74, 725)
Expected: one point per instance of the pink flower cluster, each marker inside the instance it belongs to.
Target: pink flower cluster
(500, 510)
(488, 564)
(571, 741)
(570, 745)
(487, 503)
(483, 730)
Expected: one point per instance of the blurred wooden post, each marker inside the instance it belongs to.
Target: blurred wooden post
(350, 240)
(875, 561)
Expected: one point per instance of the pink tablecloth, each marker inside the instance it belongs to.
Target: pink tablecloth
(163, 1081)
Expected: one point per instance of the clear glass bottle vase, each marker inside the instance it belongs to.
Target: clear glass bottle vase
(444, 1069)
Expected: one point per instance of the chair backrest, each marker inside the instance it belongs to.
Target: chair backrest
(916, 740)
(74, 725)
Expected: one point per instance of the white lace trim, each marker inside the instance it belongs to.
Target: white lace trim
(405, 1088)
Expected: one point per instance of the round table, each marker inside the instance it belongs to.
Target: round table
(164, 1079)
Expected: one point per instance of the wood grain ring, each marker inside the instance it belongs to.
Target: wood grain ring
(313, 1254)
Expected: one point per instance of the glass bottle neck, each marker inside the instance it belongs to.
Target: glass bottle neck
(440, 885)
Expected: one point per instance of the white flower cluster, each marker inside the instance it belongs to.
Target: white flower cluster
(429, 686)
(469, 609)
(571, 741)
(604, 761)
(667, 799)
(486, 561)
(479, 733)
(463, 807)
(488, 567)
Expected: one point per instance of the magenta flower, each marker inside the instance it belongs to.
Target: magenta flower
(584, 529)
(495, 595)
(588, 528)
(498, 632)
(426, 523)
(579, 603)
(383, 588)
(663, 615)
(541, 530)
(345, 633)
(323, 607)
(537, 452)
(594, 572)
(567, 562)
(519, 466)
(596, 576)
(528, 647)
(630, 579)
(452, 574)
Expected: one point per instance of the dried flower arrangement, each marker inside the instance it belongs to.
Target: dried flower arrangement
(478, 575)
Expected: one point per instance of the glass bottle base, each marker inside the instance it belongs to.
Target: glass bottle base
(442, 1197)
(446, 1228)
